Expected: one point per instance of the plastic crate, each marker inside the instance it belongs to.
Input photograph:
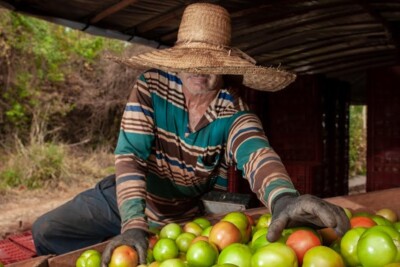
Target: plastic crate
(25, 240)
(11, 252)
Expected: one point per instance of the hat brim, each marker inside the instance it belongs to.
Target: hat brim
(211, 61)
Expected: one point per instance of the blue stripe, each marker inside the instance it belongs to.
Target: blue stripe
(174, 162)
(170, 77)
(139, 109)
(130, 178)
(226, 96)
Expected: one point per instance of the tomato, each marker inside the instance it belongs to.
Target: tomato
(192, 227)
(362, 221)
(171, 230)
(237, 254)
(274, 254)
(124, 256)
(206, 231)
(173, 263)
(264, 221)
(203, 222)
(152, 240)
(396, 226)
(328, 236)
(348, 246)
(89, 258)
(379, 220)
(202, 254)
(224, 233)
(376, 246)
(183, 241)
(260, 239)
(322, 256)
(239, 219)
(301, 241)
(164, 249)
(388, 214)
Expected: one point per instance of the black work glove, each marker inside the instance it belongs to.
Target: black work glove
(136, 238)
(305, 210)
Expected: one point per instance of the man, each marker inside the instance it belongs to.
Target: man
(181, 129)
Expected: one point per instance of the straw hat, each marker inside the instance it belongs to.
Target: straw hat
(203, 47)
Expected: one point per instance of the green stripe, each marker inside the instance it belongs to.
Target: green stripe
(141, 146)
(285, 185)
(131, 209)
(247, 148)
(171, 118)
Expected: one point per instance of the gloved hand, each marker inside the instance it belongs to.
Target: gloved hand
(137, 238)
(305, 210)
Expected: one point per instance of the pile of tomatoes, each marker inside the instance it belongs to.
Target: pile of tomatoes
(239, 240)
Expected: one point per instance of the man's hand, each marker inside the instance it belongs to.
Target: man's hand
(306, 210)
(136, 238)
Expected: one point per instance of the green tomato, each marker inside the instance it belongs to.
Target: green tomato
(171, 230)
(376, 247)
(381, 220)
(202, 254)
(348, 246)
(173, 263)
(89, 258)
(165, 249)
(322, 256)
(274, 254)
(237, 254)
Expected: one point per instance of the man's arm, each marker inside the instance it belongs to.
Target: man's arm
(249, 147)
(133, 148)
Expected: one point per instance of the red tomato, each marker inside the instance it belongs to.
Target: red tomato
(223, 234)
(362, 221)
(301, 241)
(124, 256)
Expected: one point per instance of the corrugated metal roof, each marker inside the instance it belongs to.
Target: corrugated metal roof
(333, 37)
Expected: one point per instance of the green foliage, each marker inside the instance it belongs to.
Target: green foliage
(40, 57)
(358, 142)
(34, 166)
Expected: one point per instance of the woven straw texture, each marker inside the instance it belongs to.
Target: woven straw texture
(203, 47)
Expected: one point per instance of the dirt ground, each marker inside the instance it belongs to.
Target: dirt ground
(20, 208)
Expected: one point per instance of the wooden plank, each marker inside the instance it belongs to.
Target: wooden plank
(111, 10)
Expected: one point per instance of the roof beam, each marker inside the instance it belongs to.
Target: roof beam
(111, 10)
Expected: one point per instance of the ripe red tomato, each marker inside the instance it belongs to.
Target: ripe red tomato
(301, 241)
(224, 233)
(124, 256)
(362, 221)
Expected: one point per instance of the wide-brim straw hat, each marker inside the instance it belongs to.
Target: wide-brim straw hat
(203, 47)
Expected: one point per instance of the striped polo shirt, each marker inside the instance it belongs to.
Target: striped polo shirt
(163, 168)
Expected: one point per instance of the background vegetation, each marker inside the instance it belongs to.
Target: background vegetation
(60, 102)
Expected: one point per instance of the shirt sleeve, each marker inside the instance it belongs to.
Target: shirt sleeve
(135, 140)
(249, 147)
